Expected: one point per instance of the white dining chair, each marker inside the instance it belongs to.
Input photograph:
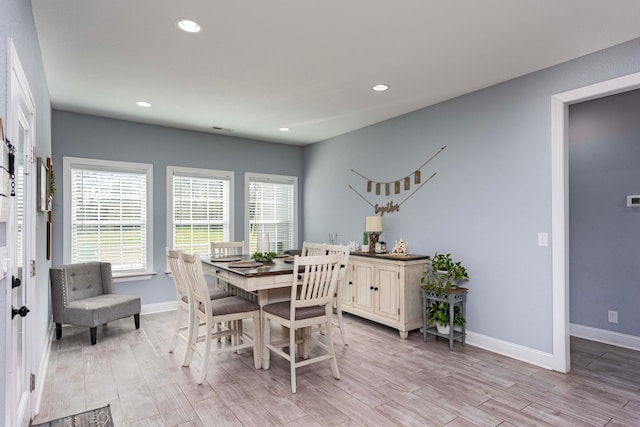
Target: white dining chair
(208, 313)
(309, 248)
(343, 251)
(312, 293)
(183, 331)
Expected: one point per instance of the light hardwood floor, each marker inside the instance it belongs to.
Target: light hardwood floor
(385, 381)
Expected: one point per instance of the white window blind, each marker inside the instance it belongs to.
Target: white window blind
(273, 209)
(201, 212)
(109, 218)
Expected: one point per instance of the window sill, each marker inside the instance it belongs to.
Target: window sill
(130, 277)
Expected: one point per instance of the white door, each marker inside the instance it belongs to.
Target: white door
(20, 244)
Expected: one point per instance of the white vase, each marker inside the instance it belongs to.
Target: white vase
(263, 243)
(443, 329)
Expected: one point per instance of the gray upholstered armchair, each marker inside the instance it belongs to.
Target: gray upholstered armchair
(82, 295)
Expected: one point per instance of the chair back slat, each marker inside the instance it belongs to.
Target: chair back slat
(177, 271)
(196, 283)
(318, 280)
(344, 252)
(223, 249)
(312, 249)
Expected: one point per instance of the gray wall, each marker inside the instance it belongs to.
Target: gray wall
(16, 22)
(604, 167)
(79, 135)
(489, 199)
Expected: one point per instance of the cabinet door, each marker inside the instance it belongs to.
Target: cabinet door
(362, 277)
(387, 295)
(346, 288)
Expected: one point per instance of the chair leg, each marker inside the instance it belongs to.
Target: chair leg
(136, 319)
(305, 346)
(192, 338)
(58, 331)
(292, 358)
(343, 334)
(334, 362)
(207, 349)
(94, 332)
(238, 335)
(176, 331)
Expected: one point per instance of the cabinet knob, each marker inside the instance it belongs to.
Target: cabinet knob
(350, 282)
(375, 289)
(371, 287)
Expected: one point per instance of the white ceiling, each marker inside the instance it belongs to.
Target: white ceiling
(259, 65)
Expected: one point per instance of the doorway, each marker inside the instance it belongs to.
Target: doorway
(20, 244)
(560, 201)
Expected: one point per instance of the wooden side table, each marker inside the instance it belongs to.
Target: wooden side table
(454, 297)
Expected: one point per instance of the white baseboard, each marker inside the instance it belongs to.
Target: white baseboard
(158, 308)
(515, 351)
(607, 337)
(42, 370)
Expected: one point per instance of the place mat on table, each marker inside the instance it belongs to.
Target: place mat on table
(288, 260)
(282, 255)
(245, 264)
(227, 258)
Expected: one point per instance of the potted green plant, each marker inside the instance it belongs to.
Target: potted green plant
(264, 256)
(441, 276)
(443, 273)
(438, 314)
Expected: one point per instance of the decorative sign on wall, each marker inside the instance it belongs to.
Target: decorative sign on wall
(400, 184)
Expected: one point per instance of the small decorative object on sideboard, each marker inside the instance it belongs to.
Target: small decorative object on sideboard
(443, 300)
(400, 248)
(373, 226)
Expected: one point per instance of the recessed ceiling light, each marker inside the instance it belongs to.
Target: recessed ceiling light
(285, 129)
(188, 25)
(143, 104)
(380, 87)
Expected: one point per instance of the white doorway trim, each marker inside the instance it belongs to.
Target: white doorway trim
(560, 203)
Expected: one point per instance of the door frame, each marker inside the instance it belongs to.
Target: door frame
(560, 204)
(20, 413)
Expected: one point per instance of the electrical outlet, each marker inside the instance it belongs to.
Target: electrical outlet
(543, 239)
(612, 316)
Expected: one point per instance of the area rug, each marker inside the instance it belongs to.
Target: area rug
(99, 417)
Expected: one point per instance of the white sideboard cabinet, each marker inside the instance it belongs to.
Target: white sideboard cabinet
(385, 289)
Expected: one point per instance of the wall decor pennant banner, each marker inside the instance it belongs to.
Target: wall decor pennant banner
(391, 206)
(396, 182)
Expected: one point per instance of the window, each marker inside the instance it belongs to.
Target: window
(200, 208)
(109, 205)
(272, 201)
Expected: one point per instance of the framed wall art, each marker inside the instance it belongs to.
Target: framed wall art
(43, 186)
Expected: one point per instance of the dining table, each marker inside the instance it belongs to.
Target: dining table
(264, 282)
